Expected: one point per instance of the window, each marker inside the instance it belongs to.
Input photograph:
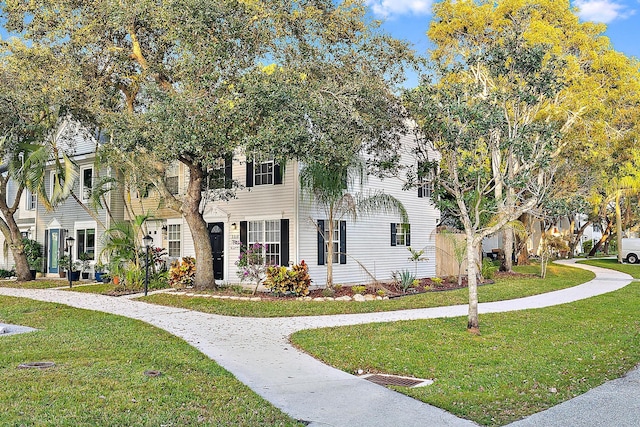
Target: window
(273, 234)
(171, 178)
(264, 173)
(268, 234)
(173, 239)
(338, 240)
(426, 177)
(54, 182)
(219, 175)
(86, 242)
(87, 183)
(30, 200)
(400, 234)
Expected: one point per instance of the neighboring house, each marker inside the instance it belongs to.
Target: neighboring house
(562, 227)
(270, 208)
(69, 219)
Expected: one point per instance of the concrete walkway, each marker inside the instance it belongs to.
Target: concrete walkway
(258, 353)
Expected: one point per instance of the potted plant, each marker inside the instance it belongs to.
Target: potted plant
(76, 267)
(85, 264)
(33, 252)
(63, 265)
(99, 269)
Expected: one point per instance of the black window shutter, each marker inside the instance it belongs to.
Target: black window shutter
(420, 191)
(321, 242)
(249, 182)
(343, 242)
(284, 242)
(393, 234)
(46, 251)
(277, 174)
(228, 170)
(243, 236)
(408, 235)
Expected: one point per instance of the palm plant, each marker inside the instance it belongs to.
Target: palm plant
(328, 185)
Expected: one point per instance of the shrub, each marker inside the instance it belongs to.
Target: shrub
(488, 269)
(251, 265)
(436, 280)
(6, 273)
(359, 289)
(381, 292)
(182, 273)
(281, 280)
(405, 279)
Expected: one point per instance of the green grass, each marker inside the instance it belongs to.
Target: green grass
(558, 277)
(99, 375)
(33, 284)
(631, 269)
(523, 363)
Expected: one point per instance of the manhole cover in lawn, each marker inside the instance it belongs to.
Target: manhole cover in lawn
(395, 380)
(152, 373)
(36, 365)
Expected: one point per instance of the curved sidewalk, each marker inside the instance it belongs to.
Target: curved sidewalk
(258, 352)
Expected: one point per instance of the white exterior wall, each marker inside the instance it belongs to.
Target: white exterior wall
(260, 202)
(369, 238)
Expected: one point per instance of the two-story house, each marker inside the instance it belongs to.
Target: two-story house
(270, 208)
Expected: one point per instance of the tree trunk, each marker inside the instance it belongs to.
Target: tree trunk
(602, 240)
(577, 237)
(521, 242)
(473, 324)
(13, 237)
(507, 264)
(619, 226)
(328, 240)
(199, 231)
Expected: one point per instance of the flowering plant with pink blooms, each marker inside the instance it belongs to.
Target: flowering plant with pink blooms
(251, 265)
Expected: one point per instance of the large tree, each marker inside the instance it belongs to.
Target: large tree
(499, 110)
(34, 102)
(174, 79)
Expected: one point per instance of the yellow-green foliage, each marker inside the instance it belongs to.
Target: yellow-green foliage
(359, 289)
(281, 280)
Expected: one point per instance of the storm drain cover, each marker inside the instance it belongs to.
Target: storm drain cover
(395, 380)
(36, 365)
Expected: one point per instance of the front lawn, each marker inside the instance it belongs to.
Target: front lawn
(99, 375)
(558, 277)
(523, 363)
(34, 284)
(613, 264)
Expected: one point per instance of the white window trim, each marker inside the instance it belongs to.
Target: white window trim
(84, 196)
(257, 166)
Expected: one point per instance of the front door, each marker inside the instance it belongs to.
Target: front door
(54, 250)
(217, 249)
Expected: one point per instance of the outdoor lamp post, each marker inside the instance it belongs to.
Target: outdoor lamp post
(148, 242)
(70, 241)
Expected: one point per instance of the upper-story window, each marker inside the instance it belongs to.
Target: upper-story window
(87, 183)
(172, 178)
(30, 200)
(426, 178)
(264, 173)
(219, 175)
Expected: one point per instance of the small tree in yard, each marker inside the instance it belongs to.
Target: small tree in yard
(251, 265)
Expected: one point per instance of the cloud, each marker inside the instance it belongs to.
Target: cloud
(388, 8)
(602, 10)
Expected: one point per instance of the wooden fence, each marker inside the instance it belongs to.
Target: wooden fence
(446, 262)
